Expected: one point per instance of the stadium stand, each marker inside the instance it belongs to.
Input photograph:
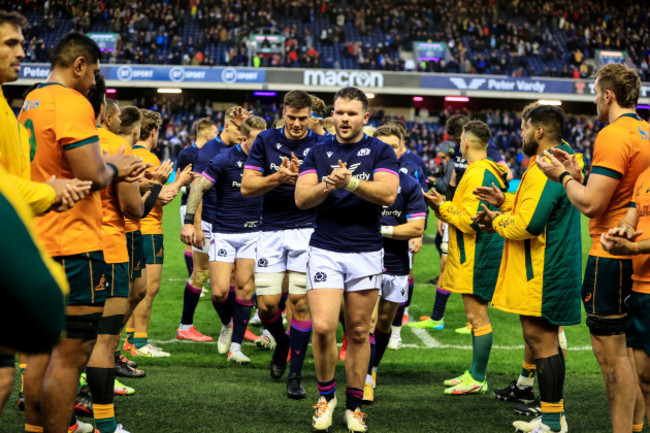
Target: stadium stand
(518, 39)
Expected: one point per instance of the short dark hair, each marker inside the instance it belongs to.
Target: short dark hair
(478, 129)
(454, 125)
(13, 18)
(73, 46)
(353, 94)
(97, 93)
(525, 113)
(551, 118)
(129, 116)
(297, 99)
(150, 121)
(623, 81)
(111, 106)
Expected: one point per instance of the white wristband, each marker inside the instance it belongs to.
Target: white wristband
(387, 231)
(353, 184)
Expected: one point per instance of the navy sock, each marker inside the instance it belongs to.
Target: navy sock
(327, 389)
(283, 301)
(381, 343)
(440, 304)
(397, 321)
(299, 341)
(276, 328)
(225, 307)
(241, 313)
(191, 298)
(353, 398)
(189, 263)
(373, 352)
(410, 296)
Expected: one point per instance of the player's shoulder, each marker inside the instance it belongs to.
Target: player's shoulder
(111, 142)
(407, 182)
(269, 134)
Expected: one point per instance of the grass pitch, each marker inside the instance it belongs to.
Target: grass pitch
(197, 390)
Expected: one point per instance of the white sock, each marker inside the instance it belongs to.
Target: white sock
(229, 325)
(525, 382)
(182, 327)
(369, 380)
(396, 330)
(235, 347)
(406, 311)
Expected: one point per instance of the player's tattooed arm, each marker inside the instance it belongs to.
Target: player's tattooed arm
(190, 234)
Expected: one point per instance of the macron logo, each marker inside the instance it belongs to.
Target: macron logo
(239, 164)
(329, 155)
(278, 145)
(461, 84)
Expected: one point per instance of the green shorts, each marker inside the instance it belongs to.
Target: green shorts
(86, 276)
(637, 332)
(117, 280)
(606, 284)
(136, 259)
(154, 251)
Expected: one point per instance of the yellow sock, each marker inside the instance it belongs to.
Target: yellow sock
(33, 428)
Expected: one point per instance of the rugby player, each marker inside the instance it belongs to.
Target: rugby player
(413, 165)
(400, 222)
(234, 232)
(206, 130)
(621, 153)
(152, 236)
(200, 233)
(632, 238)
(474, 256)
(318, 113)
(39, 198)
(539, 278)
(119, 199)
(348, 178)
(272, 170)
(62, 124)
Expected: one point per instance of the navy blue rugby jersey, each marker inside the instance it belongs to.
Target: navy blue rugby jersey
(344, 221)
(234, 212)
(209, 150)
(186, 157)
(279, 210)
(460, 164)
(411, 163)
(409, 205)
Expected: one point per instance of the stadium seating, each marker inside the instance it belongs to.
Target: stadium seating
(496, 37)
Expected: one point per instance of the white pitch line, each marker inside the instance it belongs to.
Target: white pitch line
(428, 341)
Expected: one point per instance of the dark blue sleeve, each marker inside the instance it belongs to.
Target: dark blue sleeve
(386, 160)
(415, 205)
(185, 158)
(309, 163)
(201, 162)
(493, 153)
(256, 158)
(215, 168)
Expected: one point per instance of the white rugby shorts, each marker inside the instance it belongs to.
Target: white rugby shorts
(350, 272)
(228, 247)
(282, 250)
(395, 288)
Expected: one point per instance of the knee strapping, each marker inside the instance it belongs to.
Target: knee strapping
(297, 283)
(269, 283)
(83, 327)
(110, 325)
(444, 247)
(605, 326)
